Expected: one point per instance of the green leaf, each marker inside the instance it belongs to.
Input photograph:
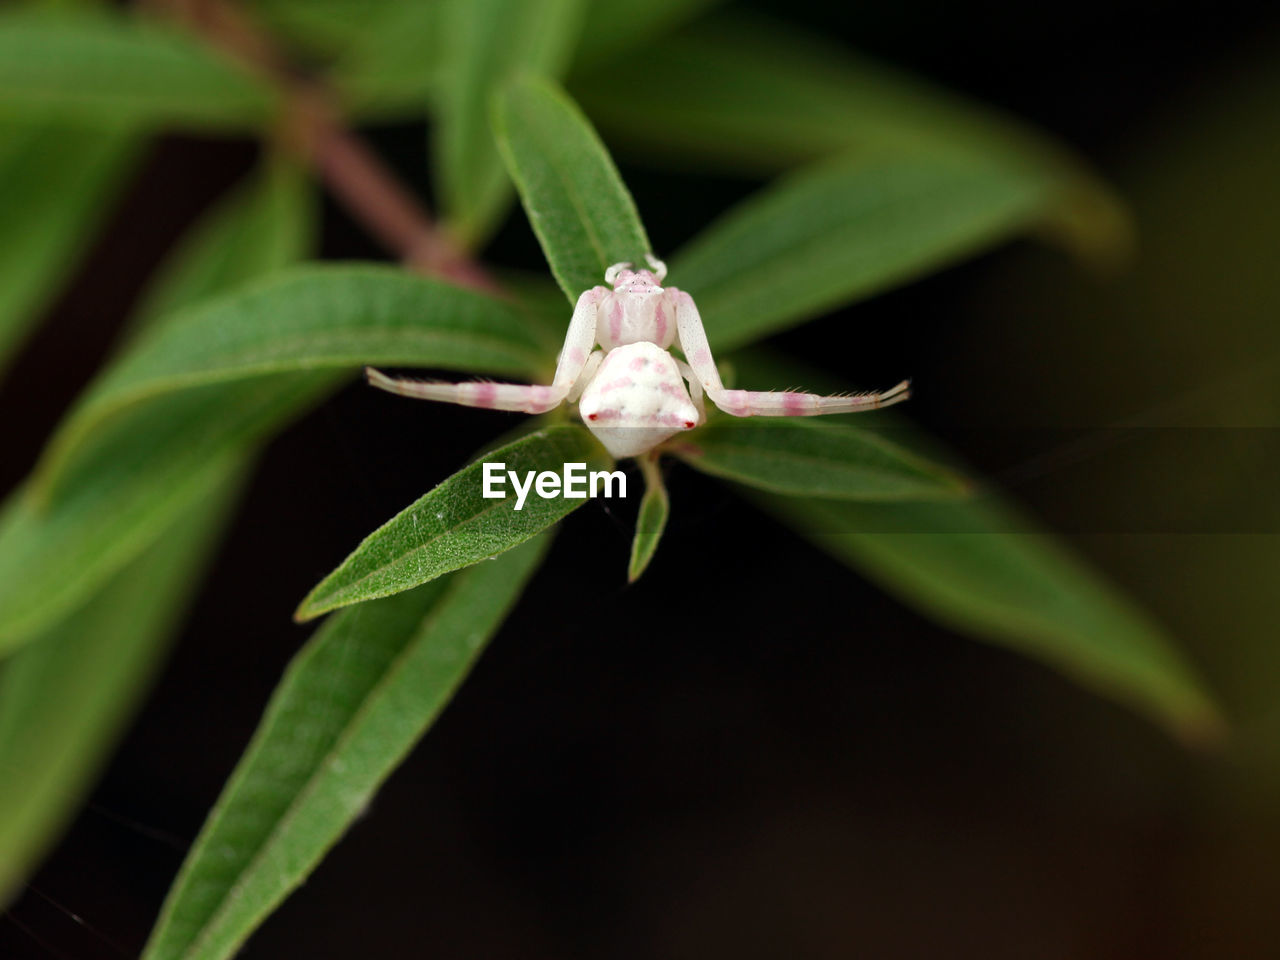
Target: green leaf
(484, 45)
(383, 672)
(981, 567)
(263, 225)
(977, 567)
(65, 699)
(326, 28)
(455, 526)
(311, 318)
(578, 205)
(131, 477)
(708, 98)
(102, 68)
(651, 521)
(616, 27)
(128, 486)
(58, 184)
(845, 230)
(804, 458)
(389, 65)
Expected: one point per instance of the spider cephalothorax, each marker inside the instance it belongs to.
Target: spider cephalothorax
(633, 394)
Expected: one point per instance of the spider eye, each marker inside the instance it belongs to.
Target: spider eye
(688, 424)
(593, 416)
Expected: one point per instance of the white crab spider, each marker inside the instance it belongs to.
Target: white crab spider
(631, 394)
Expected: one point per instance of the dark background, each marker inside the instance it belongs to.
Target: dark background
(753, 752)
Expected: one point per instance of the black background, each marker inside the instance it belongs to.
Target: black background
(751, 752)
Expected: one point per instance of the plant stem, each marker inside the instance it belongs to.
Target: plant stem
(354, 174)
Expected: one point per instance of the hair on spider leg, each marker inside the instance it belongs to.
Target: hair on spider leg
(80, 921)
(35, 937)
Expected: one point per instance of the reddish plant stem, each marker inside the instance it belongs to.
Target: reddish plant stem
(353, 173)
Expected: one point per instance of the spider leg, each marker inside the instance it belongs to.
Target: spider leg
(761, 403)
(589, 370)
(792, 403)
(695, 388)
(535, 398)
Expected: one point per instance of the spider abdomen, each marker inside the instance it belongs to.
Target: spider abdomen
(637, 399)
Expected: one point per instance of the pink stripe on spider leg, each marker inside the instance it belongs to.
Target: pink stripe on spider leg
(542, 396)
(485, 394)
(700, 357)
(737, 403)
(795, 404)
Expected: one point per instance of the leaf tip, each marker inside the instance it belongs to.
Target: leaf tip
(306, 611)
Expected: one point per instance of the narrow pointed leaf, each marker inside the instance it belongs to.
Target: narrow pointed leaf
(981, 567)
(485, 44)
(127, 487)
(305, 319)
(102, 68)
(707, 95)
(325, 29)
(977, 567)
(646, 25)
(804, 458)
(843, 231)
(651, 521)
(265, 224)
(455, 526)
(390, 67)
(707, 98)
(65, 699)
(130, 479)
(57, 185)
(383, 671)
(578, 205)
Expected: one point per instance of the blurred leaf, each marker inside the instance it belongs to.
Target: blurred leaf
(351, 706)
(390, 68)
(326, 28)
(305, 319)
(102, 68)
(65, 699)
(615, 27)
(578, 205)
(484, 45)
(57, 186)
(651, 521)
(455, 526)
(263, 225)
(981, 567)
(132, 477)
(706, 96)
(128, 486)
(802, 458)
(844, 230)
(977, 567)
